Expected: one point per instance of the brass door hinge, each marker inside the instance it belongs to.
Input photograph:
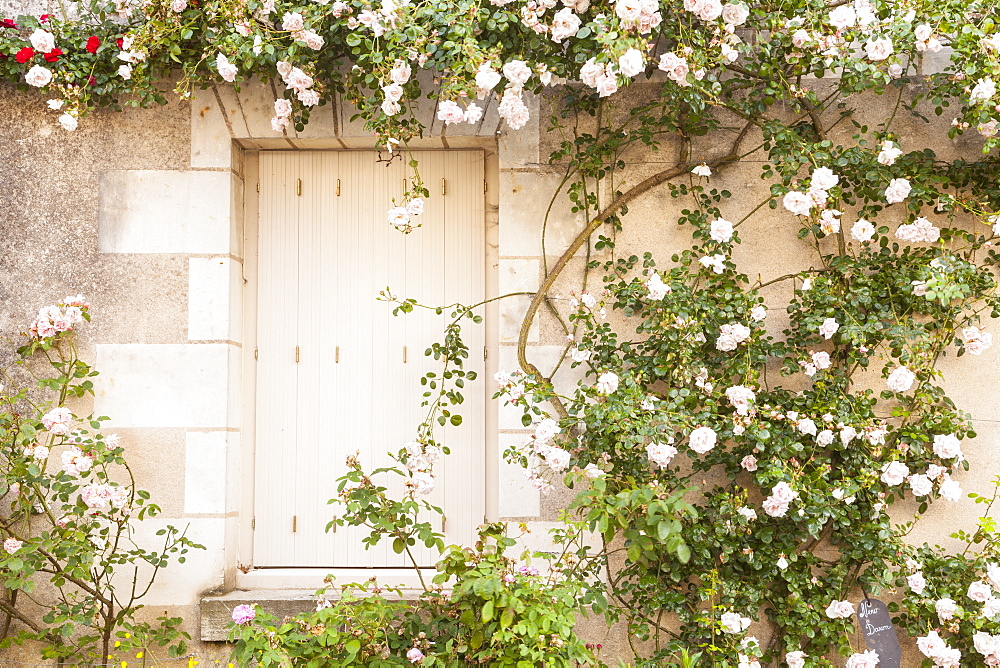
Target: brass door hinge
(298, 187)
(295, 523)
(296, 353)
(486, 352)
(253, 523)
(444, 187)
(256, 354)
(338, 187)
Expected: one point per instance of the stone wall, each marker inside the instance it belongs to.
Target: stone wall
(142, 212)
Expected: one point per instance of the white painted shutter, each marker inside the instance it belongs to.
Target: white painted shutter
(323, 260)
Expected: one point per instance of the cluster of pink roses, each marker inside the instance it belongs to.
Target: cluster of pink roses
(100, 497)
(57, 318)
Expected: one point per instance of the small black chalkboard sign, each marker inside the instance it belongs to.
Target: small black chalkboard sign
(880, 635)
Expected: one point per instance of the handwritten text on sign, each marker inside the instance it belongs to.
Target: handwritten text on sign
(880, 636)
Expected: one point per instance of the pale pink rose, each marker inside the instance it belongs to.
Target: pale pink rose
(38, 76)
(487, 78)
(12, 545)
(292, 22)
(862, 230)
(415, 206)
(945, 608)
(564, 24)
(226, 69)
(710, 10)
(800, 38)
(920, 485)
(660, 453)
(75, 462)
(735, 14)
(517, 72)
(984, 90)
(450, 112)
(823, 178)
(879, 49)
(749, 463)
(931, 644)
(607, 85)
(591, 72)
(631, 63)
(979, 592)
(917, 583)
(774, 507)
(798, 203)
(901, 379)
(42, 41)
(279, 123)
(894, 473)
(867, 659)
(628, 10)
(842, 17)
(282, 108)
(829, 328)
(310, 38)
(889, 153)
(988, 129)
(97, 496)
(976, 340)
(840, 610)
(702, 439)
(414, 655)
(400, 72)
(309, 98)
(390, 107)
(607, 383)
(557, 458)
(898, 190)
(991, 607)
(796, 659)
(733, 622)
(512, 108)
(947, 446)
(298, 79)
(741, 398)
(675, 66)
(721, 230)
(58, 420)
(178, 6)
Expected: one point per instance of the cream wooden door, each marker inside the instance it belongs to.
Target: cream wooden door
(333, 377)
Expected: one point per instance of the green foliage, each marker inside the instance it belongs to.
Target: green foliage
(481, 609)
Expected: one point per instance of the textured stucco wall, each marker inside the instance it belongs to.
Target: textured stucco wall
(140, 211)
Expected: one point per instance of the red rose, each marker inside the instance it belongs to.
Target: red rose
(92, 44)
(53, 55)
(91, 80)
(44, 18)
(25, 54)
(120, 42)
(8, 23)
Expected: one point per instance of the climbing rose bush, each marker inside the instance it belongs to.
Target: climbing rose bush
(72, 509)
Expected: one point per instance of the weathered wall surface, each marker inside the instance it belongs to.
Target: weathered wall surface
(142, 213)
